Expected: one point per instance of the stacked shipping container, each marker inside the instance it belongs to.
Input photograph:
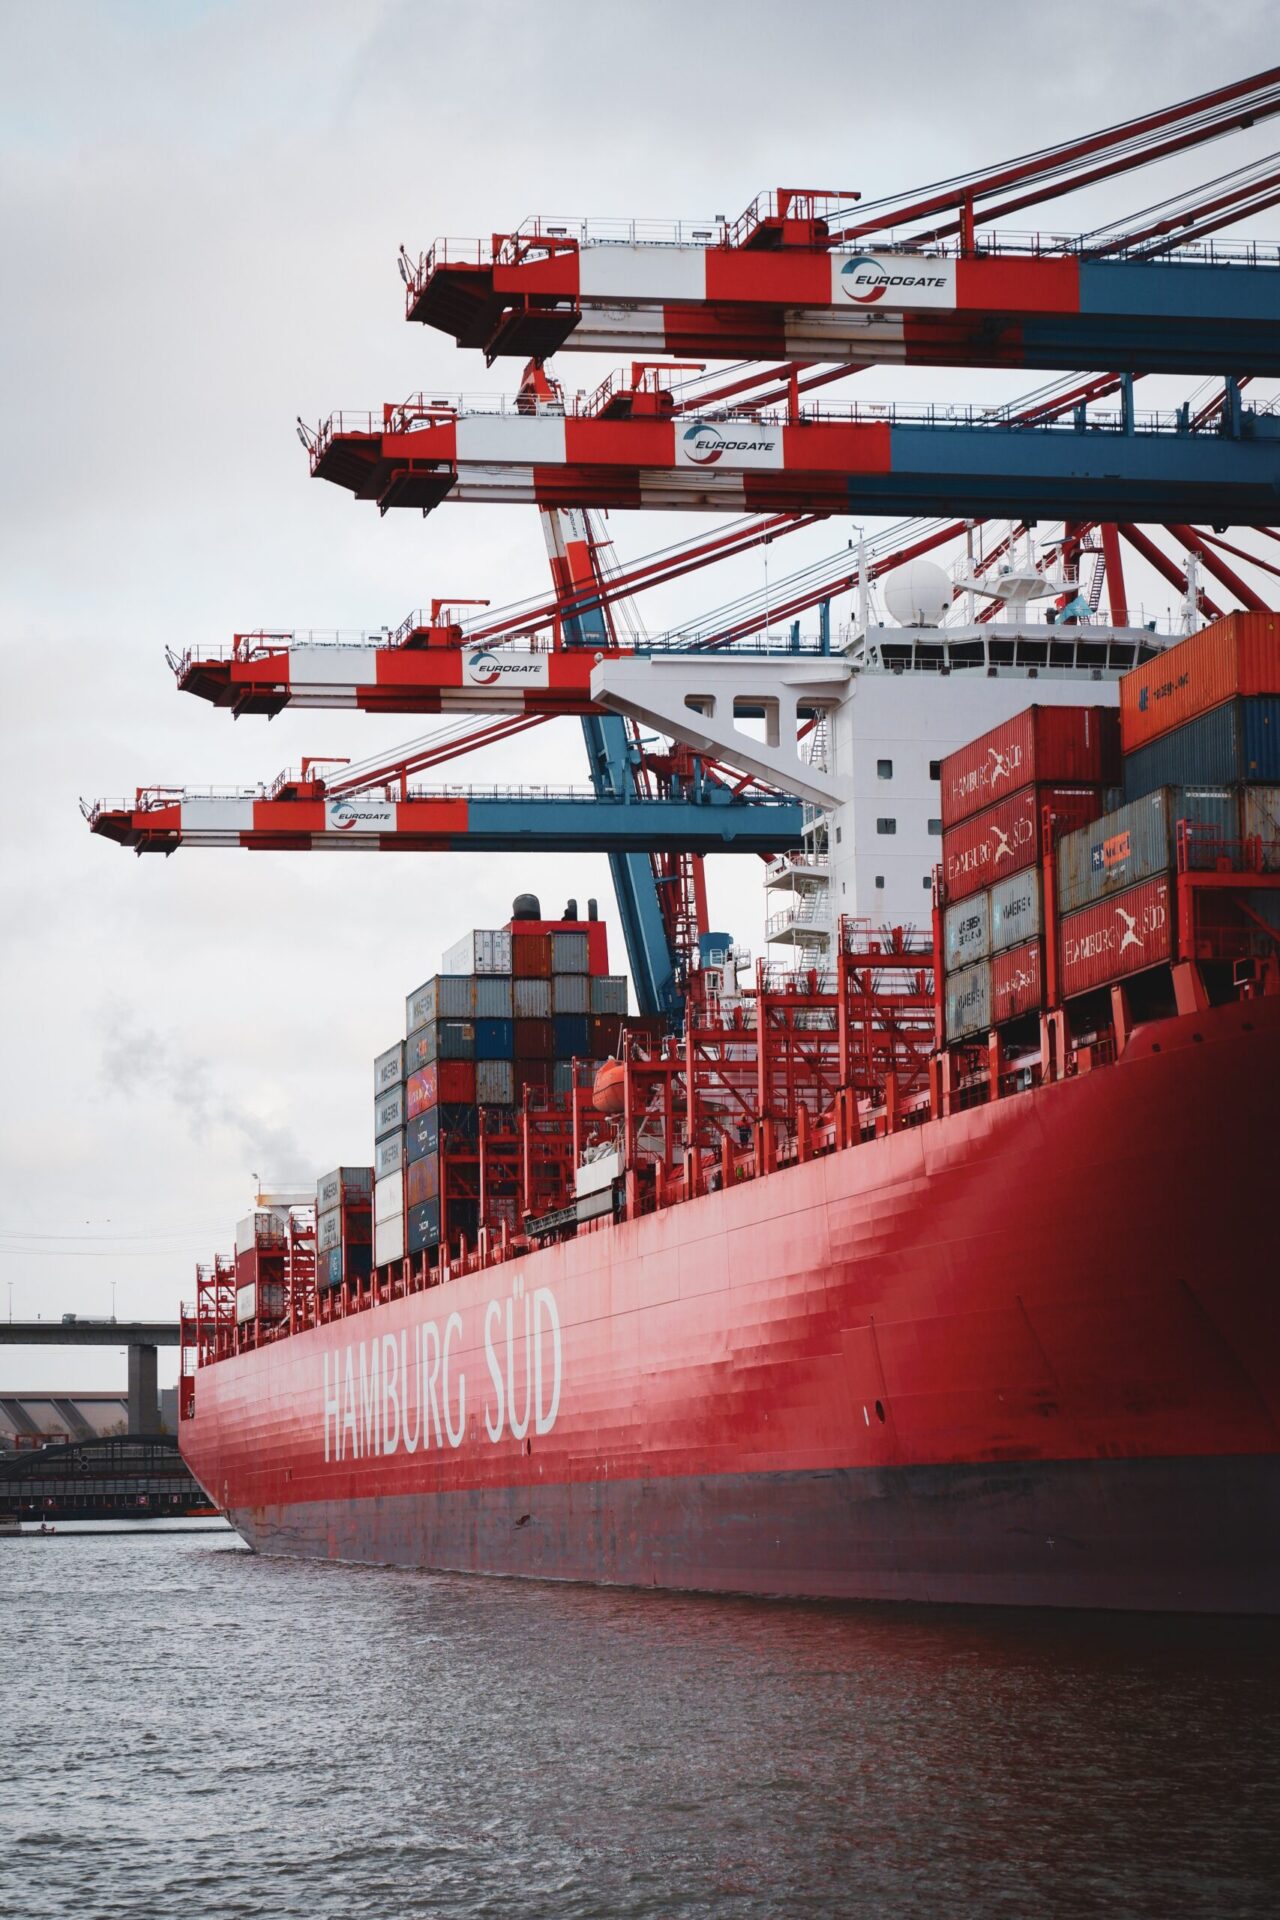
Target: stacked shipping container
(344, 1224)
(1197, 753)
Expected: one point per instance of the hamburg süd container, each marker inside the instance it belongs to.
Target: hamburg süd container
(388, 1240)
(531, 998)
(495, 1083)
(389, 1113)
(1017, 982)
(485, 950)
(1006, 838)
(495, 1039)
(571, 993)
(969, 1000)
(1015, 910)
(388, 1155)
(966, 931)
(1238, 741)
(570, 953)
(1116, 936)
(1260, 824)
(1139, 840)
(1233, 658)
(609, 993)
(342, 1186)
(388, 1069)
(493, 996)
(1041, 746)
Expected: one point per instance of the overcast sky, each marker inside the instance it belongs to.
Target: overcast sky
(200, 206)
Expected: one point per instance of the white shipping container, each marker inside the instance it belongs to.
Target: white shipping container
(388, 1069)
(265, 1227)
(246, 1303)
(1015, 910)
(328, 1230)
(484, 950)
(388, 1197)
(388, 1114)
(388, 1240)
(969, 1000)
(389, 1155)
(966, 931)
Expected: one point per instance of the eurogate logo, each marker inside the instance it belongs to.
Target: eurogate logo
(866, 280)
(864, 271)
(343, 817)
(703, 445)
(484, 669)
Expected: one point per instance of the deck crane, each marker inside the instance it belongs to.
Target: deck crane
(807, 276)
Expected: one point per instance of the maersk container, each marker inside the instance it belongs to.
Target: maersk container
(424, 1227)
(1260, 824)
(495, 1083)
(423, 1180)
(609, 993)
(342, 1186)
(388, 1069)
(329, 1230)
(570, 953)
(388, 1240)
(484, 950)
(388, 1199)
(493, 996)
(1116, 936)
(495, 1039)
(1017, 982)
(1234, 658)
(446, 996)
(1015, 910)
(1237, 741)
(570, 1031)
(389, 1113)
(1139, 840)
(1006, 838)
(571, 993)
(969, 1000)
(389, 1155)
(966, 931)
(1060, 746)
(531, 998)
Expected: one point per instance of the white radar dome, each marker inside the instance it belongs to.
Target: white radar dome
(918, 594)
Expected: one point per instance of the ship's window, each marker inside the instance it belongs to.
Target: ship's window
(886, 824)
(838, 836)
(884, 768)
(935, 769)
(926, 883)
(879, 879)
(935, 826)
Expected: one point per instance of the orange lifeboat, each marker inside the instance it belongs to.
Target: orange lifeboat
(608, 1089)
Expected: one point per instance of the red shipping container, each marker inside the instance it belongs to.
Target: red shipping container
(604, 1034)
(1017, 982)
(535, 1040)
(421, 1090)
(532, 1073)
(530, 954)
(1065, 746)
(1123, 934)
(597, 943)
(1236, 656)
(1006, 837)
(456, 1080)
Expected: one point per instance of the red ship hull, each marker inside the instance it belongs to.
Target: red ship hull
(1026, 1354)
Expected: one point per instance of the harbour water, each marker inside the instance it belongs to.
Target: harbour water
(192, 1730)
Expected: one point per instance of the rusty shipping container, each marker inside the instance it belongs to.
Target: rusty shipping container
(531, 956)
(1006, 838)
(1260, 825)
(1235, 657)
(1041, 746)
(1117, 936)
(1017, 982)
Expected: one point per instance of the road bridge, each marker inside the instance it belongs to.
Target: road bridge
(142, 1338)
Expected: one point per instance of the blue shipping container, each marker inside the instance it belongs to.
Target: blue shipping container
(495, 1039)
(424, 1226)
(571, 1036)
(1238, 741)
